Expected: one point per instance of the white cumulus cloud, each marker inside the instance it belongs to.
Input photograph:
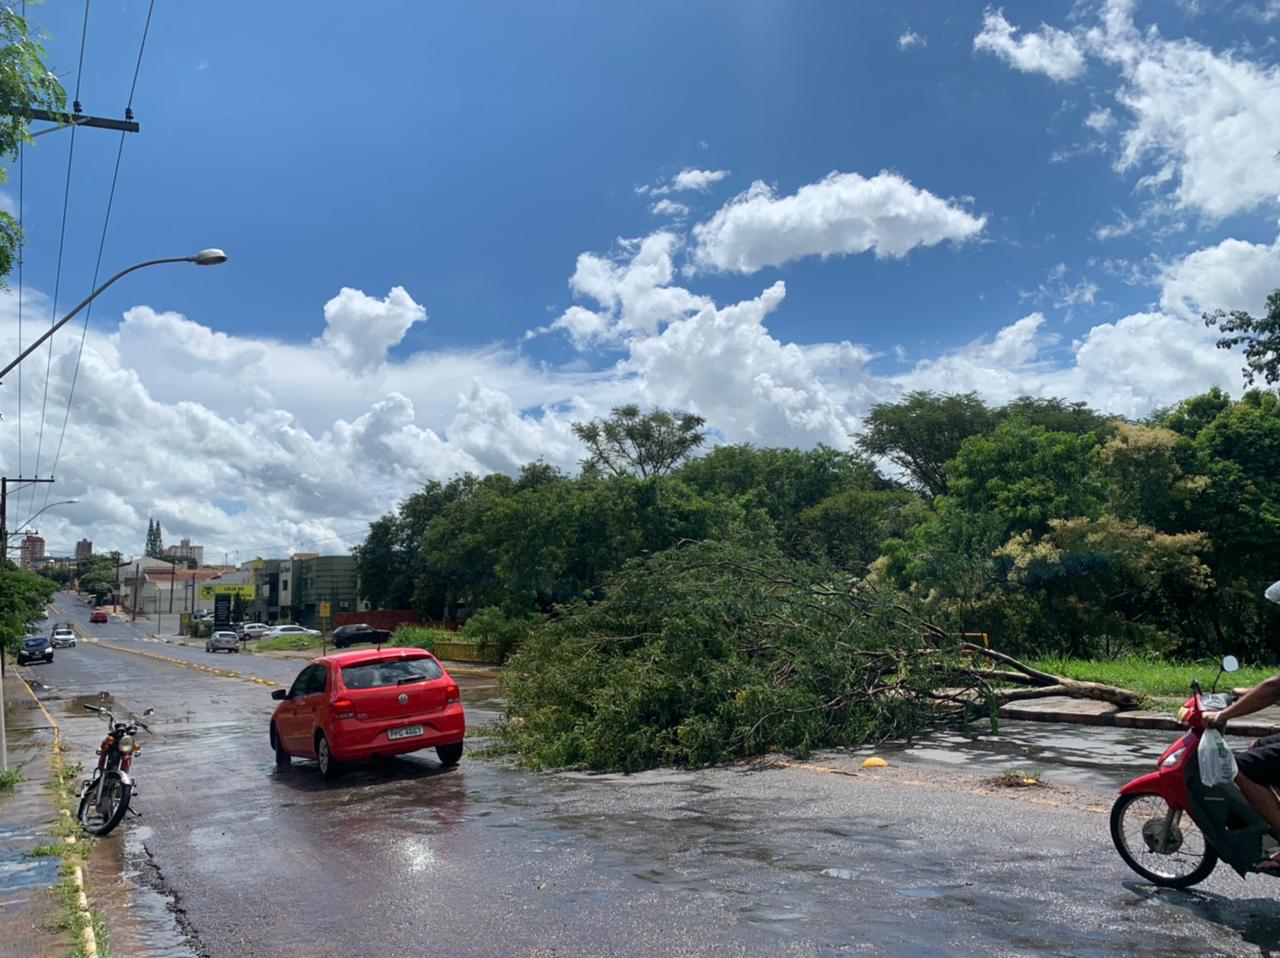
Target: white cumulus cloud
(1233, 274)
(360, 328)
(691, 179)
(1050, 51)
(841, 214)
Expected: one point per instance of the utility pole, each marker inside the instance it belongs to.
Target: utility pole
(5, 482)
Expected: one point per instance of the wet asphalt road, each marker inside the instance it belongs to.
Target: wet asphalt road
(405, 858)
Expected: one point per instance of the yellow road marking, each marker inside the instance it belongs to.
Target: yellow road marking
(183, 663)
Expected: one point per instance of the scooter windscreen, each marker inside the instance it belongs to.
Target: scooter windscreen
(1273, 592)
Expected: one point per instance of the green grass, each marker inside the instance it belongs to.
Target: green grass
(43, 851)
(1154, 677)
(287, 643)
(9, 778)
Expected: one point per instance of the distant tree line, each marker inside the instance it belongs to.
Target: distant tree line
(1047, 525)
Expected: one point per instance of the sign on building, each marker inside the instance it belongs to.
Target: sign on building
(211, 590)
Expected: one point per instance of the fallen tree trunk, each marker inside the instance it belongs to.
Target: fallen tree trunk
(1043, 684)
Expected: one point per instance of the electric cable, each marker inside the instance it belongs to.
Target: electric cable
(102, 243)
(62, 236)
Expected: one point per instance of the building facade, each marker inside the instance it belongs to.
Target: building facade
(32, 551)
(185, 550)
(294, 589)
(84, 549)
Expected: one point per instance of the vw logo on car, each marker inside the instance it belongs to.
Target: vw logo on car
(404, 699)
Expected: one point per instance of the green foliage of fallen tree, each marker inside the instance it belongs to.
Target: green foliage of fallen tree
(716, 651)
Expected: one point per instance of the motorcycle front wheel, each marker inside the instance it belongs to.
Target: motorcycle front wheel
(99, 814)
(1159, 842)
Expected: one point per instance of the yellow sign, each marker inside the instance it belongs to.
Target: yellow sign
(324, 610)
(209, 589)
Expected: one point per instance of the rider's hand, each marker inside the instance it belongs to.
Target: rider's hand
(1213, 720)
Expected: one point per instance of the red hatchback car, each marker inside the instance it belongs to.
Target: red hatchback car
(355, 705)
(98, 617)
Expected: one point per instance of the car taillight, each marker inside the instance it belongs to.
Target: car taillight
(343, 709)
(452, 695)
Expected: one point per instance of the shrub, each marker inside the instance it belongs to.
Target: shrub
(717, 651)
(419, 637)
(200, 628)
(492, 627)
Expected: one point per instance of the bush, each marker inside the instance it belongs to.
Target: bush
(493, 628)
(419, 637)
(200, 628)
(718, 651)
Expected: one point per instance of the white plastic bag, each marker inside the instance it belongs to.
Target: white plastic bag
(1217, 764)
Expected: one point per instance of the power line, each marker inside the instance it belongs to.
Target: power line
(102, 243)
(62, 236)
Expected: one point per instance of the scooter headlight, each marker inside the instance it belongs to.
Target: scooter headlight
(127, 745)
(1173, 759)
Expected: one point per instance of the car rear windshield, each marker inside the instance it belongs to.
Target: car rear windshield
(372, 675)
(224, 635)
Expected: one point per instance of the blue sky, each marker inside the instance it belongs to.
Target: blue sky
(1041, 189)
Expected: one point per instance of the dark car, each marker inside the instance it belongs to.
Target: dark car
(345, 635)
(35, 648)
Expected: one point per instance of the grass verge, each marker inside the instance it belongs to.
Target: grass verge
(1157, 678)
(287, 643)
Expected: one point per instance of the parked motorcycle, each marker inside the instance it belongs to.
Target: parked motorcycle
(104, 798)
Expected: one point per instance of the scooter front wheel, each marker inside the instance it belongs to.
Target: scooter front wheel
(1159, 842)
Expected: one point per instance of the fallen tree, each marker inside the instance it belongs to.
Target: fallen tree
(716, 651)
(1038, 684)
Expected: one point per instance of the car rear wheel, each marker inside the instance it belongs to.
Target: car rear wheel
(283, 758)
(449, 754)
(329, 767)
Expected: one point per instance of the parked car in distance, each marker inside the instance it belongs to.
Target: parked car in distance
(222, 641)
(98, 617)
(280, 630)
(63, 638)
(254, 630)
(35, 648)
(200, 614)
(356, 705)
(345, 635)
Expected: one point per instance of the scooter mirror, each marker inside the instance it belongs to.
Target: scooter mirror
(1230, 663)
(1273, 592)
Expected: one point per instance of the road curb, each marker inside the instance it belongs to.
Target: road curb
(88, 938)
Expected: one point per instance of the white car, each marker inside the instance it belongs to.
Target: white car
(280, 630)
(222, 641)
(254, 630)
(63, 638)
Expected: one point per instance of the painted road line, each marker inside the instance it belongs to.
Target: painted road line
(184, 664)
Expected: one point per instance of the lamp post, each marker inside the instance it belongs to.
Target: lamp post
(206, 257)
(5, 535)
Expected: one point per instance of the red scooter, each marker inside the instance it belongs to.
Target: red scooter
(1170, 827)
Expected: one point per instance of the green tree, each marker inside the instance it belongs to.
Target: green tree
(922, 432)
(22, 599)
(25, 83)
(1259, 335)
(155, 544)
(638, 443)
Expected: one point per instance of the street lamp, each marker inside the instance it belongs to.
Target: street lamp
(206, 257)
(5, 535)
(61, 502)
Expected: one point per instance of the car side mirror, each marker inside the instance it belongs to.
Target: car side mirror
(279, 694)
(1230, 663)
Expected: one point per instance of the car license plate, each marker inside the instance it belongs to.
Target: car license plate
(409, 731)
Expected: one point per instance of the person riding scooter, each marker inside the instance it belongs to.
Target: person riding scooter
(1259, 764)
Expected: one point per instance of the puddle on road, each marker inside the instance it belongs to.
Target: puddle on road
(124, 884)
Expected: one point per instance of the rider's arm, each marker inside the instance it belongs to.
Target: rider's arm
(1256, 699)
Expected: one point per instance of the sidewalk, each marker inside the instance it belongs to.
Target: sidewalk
(1061, 708)
(28, 913)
